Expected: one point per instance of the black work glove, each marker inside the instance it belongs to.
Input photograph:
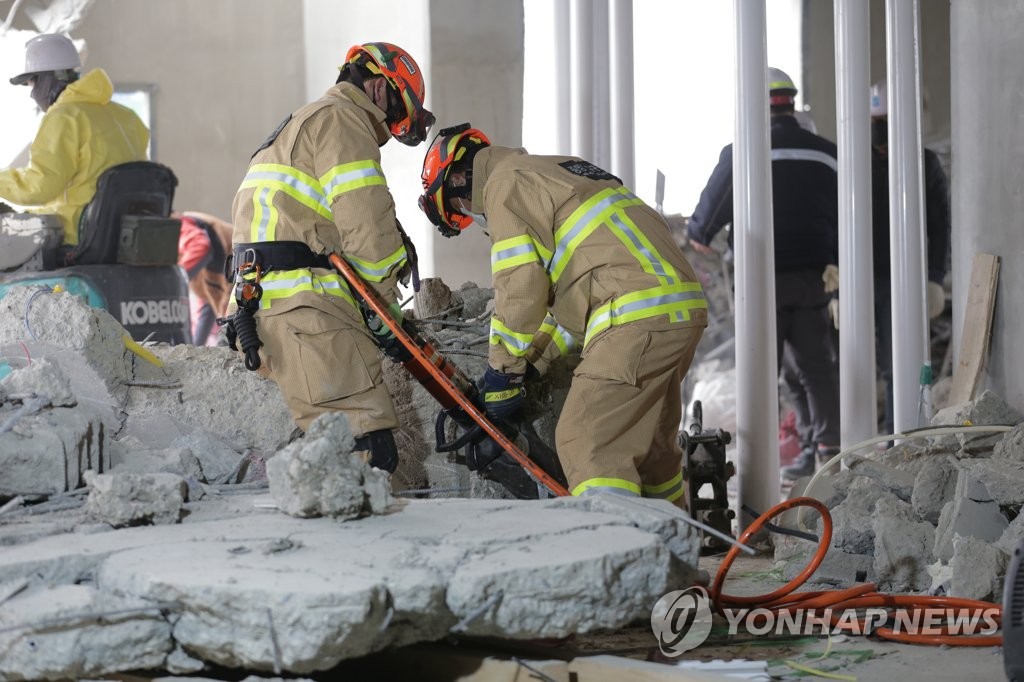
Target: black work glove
(502, 393)
(5, 208)
(386, 339)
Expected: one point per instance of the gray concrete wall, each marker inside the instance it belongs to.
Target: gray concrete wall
(819, 65)
(476, 76)
(988, 190)
(226, 73)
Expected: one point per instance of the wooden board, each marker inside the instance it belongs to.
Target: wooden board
(977, 331)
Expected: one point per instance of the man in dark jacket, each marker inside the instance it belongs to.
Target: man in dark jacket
(937, 229)
(804, 199)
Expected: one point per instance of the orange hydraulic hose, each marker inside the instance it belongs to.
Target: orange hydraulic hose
(856, 597)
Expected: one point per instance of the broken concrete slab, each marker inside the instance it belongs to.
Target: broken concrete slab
(1011, 447)
(934, 486)
(988, 409)
(839, 569)
(341, 590)
(62, 637)
(318, 475)
(899, 483)
(852, 530)
(978, 569)
(971, 513)
(45, 451)
(135, 499)
(903, 547)
(41, 378)
(1003, 478)
(1013, 537)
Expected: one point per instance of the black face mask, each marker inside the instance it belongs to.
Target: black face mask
(47, 89)
(880, 132)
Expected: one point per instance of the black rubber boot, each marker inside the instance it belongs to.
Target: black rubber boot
(803, 466)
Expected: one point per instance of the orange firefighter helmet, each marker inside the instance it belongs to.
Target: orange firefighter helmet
(452, 149)
(408, 119)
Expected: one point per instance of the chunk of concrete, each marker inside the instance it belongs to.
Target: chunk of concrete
(435, 298)
(319, 476)
(899, 483)
(971, 513)
(852, 530)
(216, 459)
(75, 643)
(43, 378)
(934, 486)
(48, 451)
(475, 300)
(903, 547)
(1011, 447)
(135, 499)
(978, 569)
(1013, 537)
(987, 409)
(1003, 478)
(839, 569)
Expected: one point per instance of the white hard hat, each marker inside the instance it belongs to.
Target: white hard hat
(48, 52)
(779, 81)
(879, 99)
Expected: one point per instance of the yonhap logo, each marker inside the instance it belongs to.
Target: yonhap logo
(681, 620)
(166, 311)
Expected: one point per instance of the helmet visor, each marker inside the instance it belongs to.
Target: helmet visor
(414, 129)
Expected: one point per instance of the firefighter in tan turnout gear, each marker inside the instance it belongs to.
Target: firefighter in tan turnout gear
(315, 186)
(577, 258)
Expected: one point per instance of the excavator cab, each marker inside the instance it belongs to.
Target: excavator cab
(126, 257)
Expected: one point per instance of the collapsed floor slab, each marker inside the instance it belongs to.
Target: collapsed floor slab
(260, 589)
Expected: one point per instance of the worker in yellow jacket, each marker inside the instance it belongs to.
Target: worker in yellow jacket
(82, 134)
(576, 257)
(316, 186)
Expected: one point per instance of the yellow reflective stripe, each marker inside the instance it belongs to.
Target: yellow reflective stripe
(508, 253)
(377, 271)
(676, 300)
(350, 176)
(517, 344)
(670, 490)
(618, 486)
(281, 284)
(584, 220)
(560, 336)
(264, 215)
(498, 396)
(642, 249)
(304, 188)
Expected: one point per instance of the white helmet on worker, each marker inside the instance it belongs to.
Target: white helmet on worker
(781, 90)
(879, 99)
(48, 52)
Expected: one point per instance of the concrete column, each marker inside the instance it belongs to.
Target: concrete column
(987, 201)
(583, 91)
(602, 87)
(623, 160)
(757, 401)
(857, 397)
(910, 347)
(563, 87)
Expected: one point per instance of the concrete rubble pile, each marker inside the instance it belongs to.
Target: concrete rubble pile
(938, 515)
(139, 535)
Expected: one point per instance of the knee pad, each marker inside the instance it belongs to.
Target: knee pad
(383, 451)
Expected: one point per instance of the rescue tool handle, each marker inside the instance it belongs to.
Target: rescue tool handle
(424, 362)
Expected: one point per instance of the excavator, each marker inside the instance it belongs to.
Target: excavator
(126, 257)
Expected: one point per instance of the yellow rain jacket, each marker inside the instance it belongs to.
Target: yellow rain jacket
(570, 243)
(80, 136)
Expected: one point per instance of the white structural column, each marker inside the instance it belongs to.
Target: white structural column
(857, 397)
(623, 159)
(583, 78)
(602, 87)
(563, 92)
(910, 353)
(757, 398)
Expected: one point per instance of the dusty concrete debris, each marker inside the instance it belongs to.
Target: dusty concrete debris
(978, 568)
(346, 589)
(64, 639)
(902, 551)
(318, 475)
(135, 499)
(1013, 536)
(1002, 478)
(179, 662)
(987, 409)
(971, 513)
(934, 485)
(1011, 447)
(42, 378)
